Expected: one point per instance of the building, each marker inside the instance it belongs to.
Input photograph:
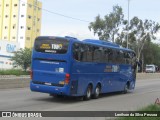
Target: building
(6, 52)
(20, 21)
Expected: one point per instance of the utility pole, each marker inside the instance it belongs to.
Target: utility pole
(128, 24)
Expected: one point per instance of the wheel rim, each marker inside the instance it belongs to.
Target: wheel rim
(88, 93)
(97, 91)
(126, 88)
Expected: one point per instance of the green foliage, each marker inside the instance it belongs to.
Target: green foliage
(152, 107)
(13, 72)
(22, 58)
(148, 108)
(151, 53)
(113, 27)
(141, 35)
(108, 27)
(142, 32)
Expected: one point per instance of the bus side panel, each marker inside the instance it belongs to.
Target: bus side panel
(127, 75)
(92, 73)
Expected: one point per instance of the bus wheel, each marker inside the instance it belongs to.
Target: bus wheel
(126, 88)
(88, 93)
(97, 92)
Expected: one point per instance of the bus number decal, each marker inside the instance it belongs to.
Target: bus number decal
(57, 46)
(111, 68)
(108, 68)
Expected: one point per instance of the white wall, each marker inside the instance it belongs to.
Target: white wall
(6, 52)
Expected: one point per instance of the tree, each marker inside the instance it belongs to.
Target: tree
(151, 54)
(141, 32)
(108, 28)
(22, 58)
(114, 27)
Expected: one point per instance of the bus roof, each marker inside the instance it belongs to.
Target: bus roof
(100, 43)
(105, 44)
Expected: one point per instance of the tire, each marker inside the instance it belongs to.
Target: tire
(97, 92)
(88, 93)
(126, 88)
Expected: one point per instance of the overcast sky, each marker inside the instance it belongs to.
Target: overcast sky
(87, 10)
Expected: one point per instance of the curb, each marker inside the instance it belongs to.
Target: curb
(23, 81)
(9, 76)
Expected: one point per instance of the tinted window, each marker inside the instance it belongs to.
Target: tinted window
(92, 53)
(128, 57)
(105, 55)
(78, 52)
(89, 52)
(97, 54)
(120, 57)
(55, 45)
(110, 55)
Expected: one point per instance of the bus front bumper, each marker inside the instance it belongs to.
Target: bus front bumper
(49, 89)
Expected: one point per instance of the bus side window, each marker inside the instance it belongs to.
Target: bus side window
(117, 56)
(110, 55)
(89, 53)
(84, 53)
(130, 57)
(105, 55)
(114, 57)
(78, 52)
(75, 51)
(101, 52)
(126, 57)
(122, 61)
(97, 55)
(95, 52)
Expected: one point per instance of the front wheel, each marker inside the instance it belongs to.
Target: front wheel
(126, 89)
(88, 93)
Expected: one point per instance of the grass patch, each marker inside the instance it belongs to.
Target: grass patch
(148, 108)
(13, 72)
(153, 107)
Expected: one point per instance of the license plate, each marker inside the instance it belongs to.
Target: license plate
(48, 84)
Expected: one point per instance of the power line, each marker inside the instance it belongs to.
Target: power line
(62, 15)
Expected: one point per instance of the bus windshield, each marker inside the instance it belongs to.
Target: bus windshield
(51, 45)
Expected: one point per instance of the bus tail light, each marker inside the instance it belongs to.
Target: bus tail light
(31, 74)
(67, 78)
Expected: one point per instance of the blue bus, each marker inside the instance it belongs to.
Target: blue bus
(66, 66)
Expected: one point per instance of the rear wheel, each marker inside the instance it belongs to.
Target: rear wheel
(88, 93)
(97, 92)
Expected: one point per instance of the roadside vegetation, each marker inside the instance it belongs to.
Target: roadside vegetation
(141, 34)
(153, 107)
(16, 72)
(22, 58)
